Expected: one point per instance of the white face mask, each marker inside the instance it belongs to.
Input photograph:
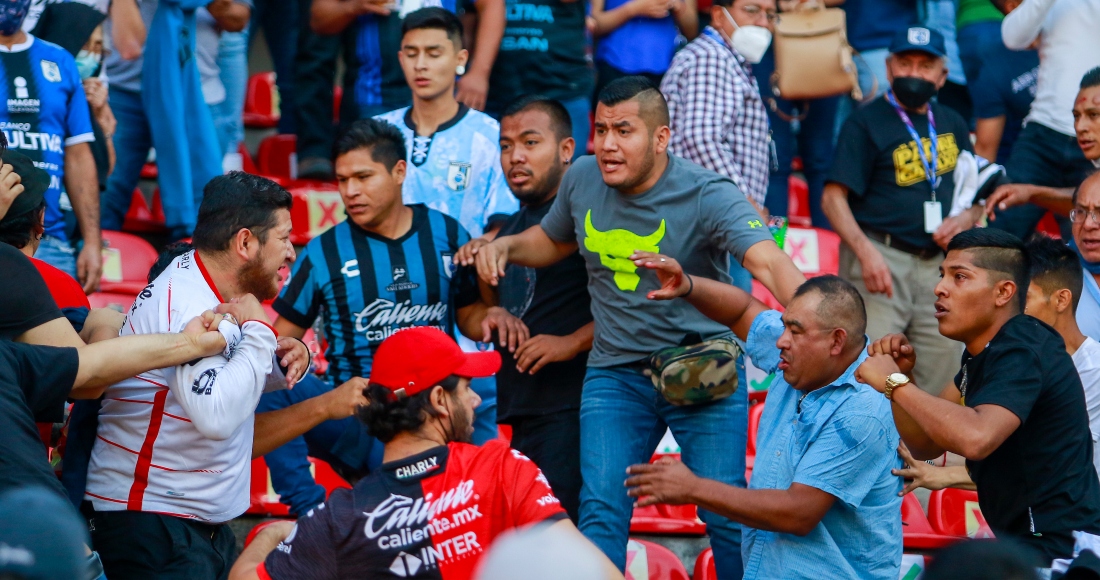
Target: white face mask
(750, 41)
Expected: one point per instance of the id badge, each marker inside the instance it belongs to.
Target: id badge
(933, 216)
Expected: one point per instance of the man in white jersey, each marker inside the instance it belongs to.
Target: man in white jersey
(171, 462)
(454, 153)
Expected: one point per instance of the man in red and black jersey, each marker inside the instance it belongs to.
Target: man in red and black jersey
(437, 502)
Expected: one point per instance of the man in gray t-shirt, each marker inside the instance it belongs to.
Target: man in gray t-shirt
(634, 196)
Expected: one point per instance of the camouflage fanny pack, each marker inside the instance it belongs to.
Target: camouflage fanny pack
(695, 374)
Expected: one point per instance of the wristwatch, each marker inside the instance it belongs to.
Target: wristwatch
(894, 381)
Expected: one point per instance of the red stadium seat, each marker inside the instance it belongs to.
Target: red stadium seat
(326, 476)
(815, 251)
(667, 519)
(798, 202)
(145, 217)
(955, 512)
(504, 433)
(917, 533)
(247, 164)
(115, 300)
(257, 529)
(126, 262)
(149, 171)
(649, 561)
(261, 102)
(317, 207)
(704, 566)
(1049, 226)
(337, 100)
(264, 500)
(754, 425)
(277, 156)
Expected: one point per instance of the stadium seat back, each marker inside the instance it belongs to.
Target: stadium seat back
(144, 217)
(277, 156)
(263, 499)
(317, 207)
(917, 533)
(649, 561)
(704, 566)
(955, 512)
(680, 520)
(798, 201)
(813, 250)
(119, 301)
(755, 412)
(126, 262)
(261, 101)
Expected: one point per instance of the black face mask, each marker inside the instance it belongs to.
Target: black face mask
(913, 92)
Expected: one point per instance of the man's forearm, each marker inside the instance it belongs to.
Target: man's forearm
(774, 269)
(274, 429)
(490, 31)
(721, 303)
(127, 29)
(332, 16)
(83, 189)
(773, 510)
(534, 249)
(584, 337)
(254, 555)
(105, 363)
(607, 21)
(1057, 200)
(948, 425)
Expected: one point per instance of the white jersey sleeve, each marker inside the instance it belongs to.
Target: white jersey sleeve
(220, 394)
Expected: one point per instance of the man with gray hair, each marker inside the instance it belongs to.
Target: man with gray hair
(822, 500)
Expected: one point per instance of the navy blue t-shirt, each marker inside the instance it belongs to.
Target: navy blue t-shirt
(873, 23)
(367, 287)
(46, 111)
(1006, 86)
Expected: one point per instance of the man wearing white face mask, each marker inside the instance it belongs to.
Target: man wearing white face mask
(718, 118)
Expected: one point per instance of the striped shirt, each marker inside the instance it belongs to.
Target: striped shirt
(366, 287)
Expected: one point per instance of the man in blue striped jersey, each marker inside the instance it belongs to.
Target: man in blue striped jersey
(388, 267)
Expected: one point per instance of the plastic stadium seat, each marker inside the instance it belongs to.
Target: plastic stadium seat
(114, 300)
(326, 476)
(317, 207)
(264, 500)
(704, 566)
(126, 262)
(955, 512)
(798, 201)
(1049, 226)
(917, 533)
(149, 171)
(667, 519)
(814, 251)
(277, 156)
(247, 163)
(754, 425)
(261, 102)
(649, 561)
(145, 217)
(256, 530)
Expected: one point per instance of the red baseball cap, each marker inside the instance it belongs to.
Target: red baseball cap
(418, 358)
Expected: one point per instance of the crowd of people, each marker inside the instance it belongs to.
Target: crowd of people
(490, 271)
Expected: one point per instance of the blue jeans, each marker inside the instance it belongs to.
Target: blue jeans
(871, 68)
(578, 115)
(132, 142)
(344, 444)
(622, 419)
(233, 62)
(58, 253)
(813, 141)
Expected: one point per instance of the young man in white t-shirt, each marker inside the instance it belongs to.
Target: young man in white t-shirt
(453, 152)
(1052, 297)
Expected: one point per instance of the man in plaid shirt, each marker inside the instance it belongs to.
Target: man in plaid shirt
(718, 116)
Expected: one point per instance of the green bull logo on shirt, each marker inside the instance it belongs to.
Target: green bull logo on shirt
(615, 247)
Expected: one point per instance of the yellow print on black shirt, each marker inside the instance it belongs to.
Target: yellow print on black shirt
(908, 168)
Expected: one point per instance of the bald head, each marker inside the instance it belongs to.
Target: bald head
(652, 107)
(840, 306)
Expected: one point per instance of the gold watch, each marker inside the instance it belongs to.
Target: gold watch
(894, 381)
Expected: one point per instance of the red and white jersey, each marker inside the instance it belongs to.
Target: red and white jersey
(178, 440)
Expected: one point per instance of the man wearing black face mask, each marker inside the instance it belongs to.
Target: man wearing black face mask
(891, 208)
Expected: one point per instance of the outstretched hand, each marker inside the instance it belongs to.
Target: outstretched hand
(664, 481)
(674, 282)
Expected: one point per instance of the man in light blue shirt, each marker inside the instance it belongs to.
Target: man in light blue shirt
(822, 502)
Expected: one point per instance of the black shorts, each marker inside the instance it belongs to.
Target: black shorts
(140, 546)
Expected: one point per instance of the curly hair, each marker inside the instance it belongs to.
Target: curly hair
(386, 416)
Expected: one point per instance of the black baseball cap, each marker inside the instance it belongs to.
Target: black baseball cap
(35, 183)
(919, 38)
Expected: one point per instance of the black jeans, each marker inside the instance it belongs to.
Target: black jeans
(1041, 156)
(553, 442)
(314, 75)
(140, 546)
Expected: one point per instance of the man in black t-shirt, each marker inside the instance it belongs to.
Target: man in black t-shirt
(1016, 410)
(543, 53)
(890, 212)
(539, 383)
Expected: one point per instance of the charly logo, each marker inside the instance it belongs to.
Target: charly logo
(405, 565)
(615, 247)
(418, 468)
(204, 384)
(382, 318)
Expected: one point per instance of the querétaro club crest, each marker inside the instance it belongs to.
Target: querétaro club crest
(458, 175)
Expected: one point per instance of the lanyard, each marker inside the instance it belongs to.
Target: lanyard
(929, 168)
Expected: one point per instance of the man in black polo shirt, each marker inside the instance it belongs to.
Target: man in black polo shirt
(539, 383)
(890, 207)
(1016, 411)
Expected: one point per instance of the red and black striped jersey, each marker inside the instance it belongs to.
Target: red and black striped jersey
(430, 515)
